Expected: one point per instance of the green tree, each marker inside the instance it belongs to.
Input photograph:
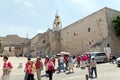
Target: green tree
(116, 22)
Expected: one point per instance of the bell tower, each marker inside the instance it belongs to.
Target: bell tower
(57, 24)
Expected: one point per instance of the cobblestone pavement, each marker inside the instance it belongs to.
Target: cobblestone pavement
(106, 71)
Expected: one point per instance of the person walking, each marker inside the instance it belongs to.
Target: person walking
(93, 67)
(110, 58)
(39, 68)
(45, 64)
(53, 60)
(61, 67)
(78, 60)
(66, 62)
(7, 66)
(50, 67)
(89, 70)
(70, 64)
(26, 68)
(31, 70)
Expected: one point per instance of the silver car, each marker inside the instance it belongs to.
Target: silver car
(99, 56)
(118, 61)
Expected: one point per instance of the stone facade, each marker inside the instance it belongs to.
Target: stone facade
(92, 33)
(114, 40)
(47, 43)
(13, 45)
(85, 34)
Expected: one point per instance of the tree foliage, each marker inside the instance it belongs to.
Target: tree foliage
(116, 22)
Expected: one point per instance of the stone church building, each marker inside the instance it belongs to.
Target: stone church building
(95, 32)
(12, 45)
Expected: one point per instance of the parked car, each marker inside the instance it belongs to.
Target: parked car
(99, 56)
(27, 55)
(118, 61)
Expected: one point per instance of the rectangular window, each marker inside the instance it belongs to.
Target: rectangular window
(88, 29)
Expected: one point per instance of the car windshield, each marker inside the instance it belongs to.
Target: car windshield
(92, 54)
(100, 54)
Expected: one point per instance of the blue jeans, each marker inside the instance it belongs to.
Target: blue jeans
(26, 76)
(61, 66)
(94, 69)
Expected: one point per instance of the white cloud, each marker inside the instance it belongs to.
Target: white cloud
(28, 3)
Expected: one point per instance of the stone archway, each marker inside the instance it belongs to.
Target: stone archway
(48, 48)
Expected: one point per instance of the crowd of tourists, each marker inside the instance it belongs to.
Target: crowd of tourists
(66, 63)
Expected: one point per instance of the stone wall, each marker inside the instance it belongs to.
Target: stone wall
(85, 34)
(47, 43)
(92, 33)
(13, 41)
(114, 40)
(52, 42)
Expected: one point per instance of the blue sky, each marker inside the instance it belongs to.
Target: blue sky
(30, 17)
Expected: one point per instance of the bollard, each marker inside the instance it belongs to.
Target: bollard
(20, 65)
(86, 77)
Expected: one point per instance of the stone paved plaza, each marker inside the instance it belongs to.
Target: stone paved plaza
(106, 71)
